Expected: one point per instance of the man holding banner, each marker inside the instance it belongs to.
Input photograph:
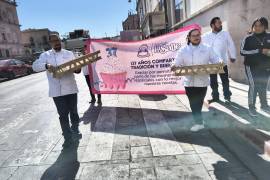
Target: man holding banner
(196, 53)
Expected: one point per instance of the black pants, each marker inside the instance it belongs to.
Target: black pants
(258, 80)
(89, 85)
(225, 83)
(196, 97)
(67, 106)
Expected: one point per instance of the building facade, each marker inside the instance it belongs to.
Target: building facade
(152, 17)
(36, 41)
(10, 34)
(76, 40)
(237, 16)
(131, 28)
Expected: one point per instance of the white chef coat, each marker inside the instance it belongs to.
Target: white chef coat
(222, 44)
(196, 55)
(85, 70)
(64, 85)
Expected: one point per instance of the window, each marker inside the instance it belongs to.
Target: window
(32, 43)
(7, 53)
(161, 5)
(193, 6)
(12, 62)
(141, 14)
(4, 37)
(18, 62)
(44, 39)
(179, 10)
(1, 55)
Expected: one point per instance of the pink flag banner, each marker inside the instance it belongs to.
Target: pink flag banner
(140, 67)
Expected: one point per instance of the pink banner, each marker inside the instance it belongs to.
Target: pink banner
(140, 67)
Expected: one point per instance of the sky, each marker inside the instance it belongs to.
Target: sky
(101, 17)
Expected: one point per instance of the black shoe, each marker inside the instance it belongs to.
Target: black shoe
(252, 112)
(76, 134)
(99, 101)
(92, 101)
(213, 100)
(228, 101)
(67, 143)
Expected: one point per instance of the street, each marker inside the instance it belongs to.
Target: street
(128, 137)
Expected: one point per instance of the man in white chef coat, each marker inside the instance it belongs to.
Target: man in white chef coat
(224, 47)
(63, 90)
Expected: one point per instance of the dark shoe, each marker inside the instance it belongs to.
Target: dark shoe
(99, 101)
(266, 109)
(92, 101)
(76, 134)
(67, 143)
(213, 100)
(228, 101)
(252, 112)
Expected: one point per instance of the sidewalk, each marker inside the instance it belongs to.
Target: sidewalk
(131, 137)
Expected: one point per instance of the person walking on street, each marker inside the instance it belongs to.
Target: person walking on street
(224, 47)
(93, 98)
(196, 53)
(256, 51)
(63, 90)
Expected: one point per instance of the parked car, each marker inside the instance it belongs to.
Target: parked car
(11, 68)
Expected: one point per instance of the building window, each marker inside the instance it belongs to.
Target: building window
(45, 40)
(161, 5)
(194, 7)
(1, 55)
(141, 14)
(4, 37)
(179, 10)
(7, 53)
(32, 43)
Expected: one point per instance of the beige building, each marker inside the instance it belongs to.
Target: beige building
(131, 23)
(152, 17)
(131, 28)
(237, 16)
(10, 35)
(36, 40)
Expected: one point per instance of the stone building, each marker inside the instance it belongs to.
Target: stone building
(36, 41)
(10, 35)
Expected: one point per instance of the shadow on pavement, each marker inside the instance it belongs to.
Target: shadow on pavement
(91, 114)
(65, 167)
(153, 97)
(130, 121)
(261, 121)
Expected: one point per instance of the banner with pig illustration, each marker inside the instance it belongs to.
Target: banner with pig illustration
(140, 67)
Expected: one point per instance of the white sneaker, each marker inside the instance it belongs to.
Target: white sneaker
(197, 127)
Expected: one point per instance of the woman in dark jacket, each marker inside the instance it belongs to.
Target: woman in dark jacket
(256, 50)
